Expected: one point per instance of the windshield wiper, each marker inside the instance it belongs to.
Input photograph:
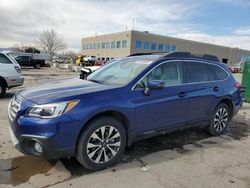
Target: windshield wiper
(97, 81)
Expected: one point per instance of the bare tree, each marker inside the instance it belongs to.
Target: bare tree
(50, 42)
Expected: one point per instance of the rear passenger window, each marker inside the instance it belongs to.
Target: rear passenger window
(198, 72)
(219, 73)
(4, 59)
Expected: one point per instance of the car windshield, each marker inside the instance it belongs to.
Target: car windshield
(121, 72)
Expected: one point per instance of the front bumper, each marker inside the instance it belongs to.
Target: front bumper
(13, 82)
(26, 144)
(57, 136)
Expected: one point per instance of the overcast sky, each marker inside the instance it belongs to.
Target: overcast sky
(223, 22)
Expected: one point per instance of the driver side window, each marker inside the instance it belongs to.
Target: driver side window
(170, 72)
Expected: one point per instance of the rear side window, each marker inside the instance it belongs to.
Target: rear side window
(219, 73)
(198, 72)
(4, 59)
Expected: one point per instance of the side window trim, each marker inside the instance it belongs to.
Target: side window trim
(208, 65)
(209, 72)
(168, 61)
(183, 72)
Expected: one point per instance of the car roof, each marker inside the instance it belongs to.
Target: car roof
(180, 56)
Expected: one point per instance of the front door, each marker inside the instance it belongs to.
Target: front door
(164, 108)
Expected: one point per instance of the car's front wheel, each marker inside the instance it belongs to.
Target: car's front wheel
(101, 144)
(2, 88)
(219, 120)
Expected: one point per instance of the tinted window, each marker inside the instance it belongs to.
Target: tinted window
(198, 72)
(138, 44)
(146, 45)
(219, 73)
(160, 47)
(4, 59)
(153, 46)
(124, 44)
(118, 44)
(170, 73)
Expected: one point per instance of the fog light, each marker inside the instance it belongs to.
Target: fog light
(38, 147)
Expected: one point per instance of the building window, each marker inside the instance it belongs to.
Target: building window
(160, 47)
(87, 46)
(118, 44)
(153, 46)
(146, 45)
(173, 48)
(83, 46)
(107, 44)
(103, 45)
(124, 44)
(167, 48)
(138, 44)
(98, 45)
(112, 44)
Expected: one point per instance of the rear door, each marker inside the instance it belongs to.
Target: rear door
(164, 108)
(202, 90)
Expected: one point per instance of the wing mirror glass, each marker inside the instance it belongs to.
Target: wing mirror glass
(153, 85)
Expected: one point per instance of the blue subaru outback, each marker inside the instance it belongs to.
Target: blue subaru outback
(122, 102)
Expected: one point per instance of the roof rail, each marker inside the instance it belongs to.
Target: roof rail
(146, 53)
(189, 55)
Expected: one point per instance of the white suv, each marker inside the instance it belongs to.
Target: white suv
(10, 73)
(90, 58)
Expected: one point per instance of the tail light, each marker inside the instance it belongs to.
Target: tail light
(237, 85)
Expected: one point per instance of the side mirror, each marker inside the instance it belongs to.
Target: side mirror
(154, 85)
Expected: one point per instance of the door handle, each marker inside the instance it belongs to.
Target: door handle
(216, 88)
(182, 94)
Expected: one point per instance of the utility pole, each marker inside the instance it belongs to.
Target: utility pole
(133, 23)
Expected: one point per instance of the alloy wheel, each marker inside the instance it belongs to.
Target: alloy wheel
(103, 144)
(221, 119)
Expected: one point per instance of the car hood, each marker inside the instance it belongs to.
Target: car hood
(62, 90)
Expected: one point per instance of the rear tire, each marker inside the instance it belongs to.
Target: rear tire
(101, 144)
(2, 89)
(37, 66)
(220, 119)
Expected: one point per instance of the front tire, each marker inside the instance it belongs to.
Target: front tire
(101, 144)
(2, 89)
(220, 119)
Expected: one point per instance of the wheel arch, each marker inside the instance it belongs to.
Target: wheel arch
(229, 103)
(4, 81)
(113, 114)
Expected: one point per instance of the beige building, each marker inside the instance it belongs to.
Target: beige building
(122, 44)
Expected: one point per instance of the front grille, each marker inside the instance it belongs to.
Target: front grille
(14, 107)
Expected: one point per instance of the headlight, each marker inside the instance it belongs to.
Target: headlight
(51, 110)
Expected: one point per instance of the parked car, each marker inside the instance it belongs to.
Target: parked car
(10, 73)
(90, 59)
(237, 68)
(28, 61)
(100, 63)
(233, 69)
(85, 71)
(122, 102)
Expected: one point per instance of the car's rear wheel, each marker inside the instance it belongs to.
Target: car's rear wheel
(37, 66)
(219, 120)
(2, 89)
(101, 144)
